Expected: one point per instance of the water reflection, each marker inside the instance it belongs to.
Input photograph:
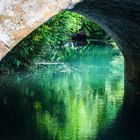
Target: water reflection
(65, 102)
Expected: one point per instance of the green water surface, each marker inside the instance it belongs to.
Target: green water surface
(71, 101)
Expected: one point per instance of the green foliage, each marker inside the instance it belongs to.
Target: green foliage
(47, 42)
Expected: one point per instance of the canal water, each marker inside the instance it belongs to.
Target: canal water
(78, 100)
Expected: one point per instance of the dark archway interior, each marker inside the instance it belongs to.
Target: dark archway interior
(121, 19)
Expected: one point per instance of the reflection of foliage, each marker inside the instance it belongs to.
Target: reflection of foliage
(64, 105)
(47, 42)
(37, 106)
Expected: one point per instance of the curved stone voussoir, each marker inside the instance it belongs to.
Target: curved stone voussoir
(3, 50)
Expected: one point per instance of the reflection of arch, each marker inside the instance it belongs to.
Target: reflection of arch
(121, 19)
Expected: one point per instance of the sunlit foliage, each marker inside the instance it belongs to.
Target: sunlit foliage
(48, 41)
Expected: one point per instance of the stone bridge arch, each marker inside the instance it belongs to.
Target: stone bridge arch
(119, 18)
(18, 18)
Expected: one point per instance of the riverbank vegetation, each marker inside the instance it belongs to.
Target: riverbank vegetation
(65, 36)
